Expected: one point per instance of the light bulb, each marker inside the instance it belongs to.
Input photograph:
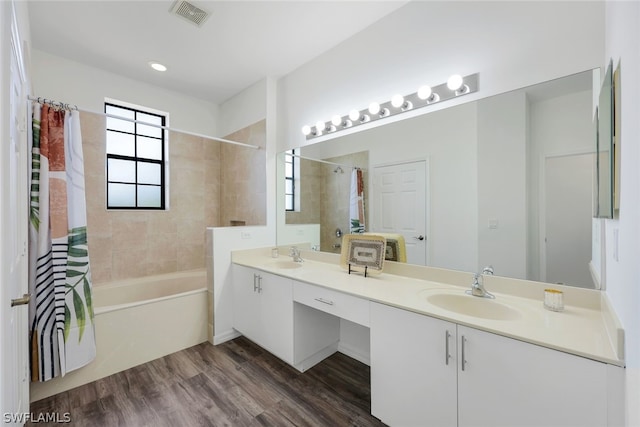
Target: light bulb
(455, 82)
(354, 115)
(306, 130)
(374, 108)
(336, 120)
(320, 126)
(424, 92)
(397, 101)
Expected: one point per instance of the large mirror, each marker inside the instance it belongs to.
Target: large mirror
(505, 181)
(603, 188)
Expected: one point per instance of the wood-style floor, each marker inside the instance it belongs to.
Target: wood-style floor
(233, 384)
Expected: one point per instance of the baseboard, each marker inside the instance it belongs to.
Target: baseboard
(355, 353)
(225, 336)
(316, 358)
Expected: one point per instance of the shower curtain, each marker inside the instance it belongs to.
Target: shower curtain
(356, 205)
(61, 310)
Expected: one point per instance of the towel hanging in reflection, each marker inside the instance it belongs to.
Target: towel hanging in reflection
(356, 202)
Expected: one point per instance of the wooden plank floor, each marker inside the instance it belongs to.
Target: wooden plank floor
(233, 384)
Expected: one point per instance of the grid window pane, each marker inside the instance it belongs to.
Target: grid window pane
(135, 159)
(288, 170)
(149, 196)
(121, 195)
(288, 187)
(149, 173)
(120, 143)
(120, 125)
(121, 170)
(149, 148)
(288, 202)
(149, 131)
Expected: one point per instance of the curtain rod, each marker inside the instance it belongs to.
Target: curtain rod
(69, 107)
(323, 161)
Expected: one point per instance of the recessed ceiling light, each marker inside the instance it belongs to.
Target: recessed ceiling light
(157, 66)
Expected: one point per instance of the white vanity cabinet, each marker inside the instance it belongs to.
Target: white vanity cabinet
(263, 310)
(506, 382)
(425, 371)
(413, 368)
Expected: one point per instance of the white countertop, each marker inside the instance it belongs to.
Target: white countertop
(585, 329)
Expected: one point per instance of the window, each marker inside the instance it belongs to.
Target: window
(135, 159)
(289, 177)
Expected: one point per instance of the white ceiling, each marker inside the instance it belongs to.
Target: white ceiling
(241, 42)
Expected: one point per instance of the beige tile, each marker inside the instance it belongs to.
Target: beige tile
(162, 222)
(162, 247)
(189, 180)
(129, 263)
(182, 145)
(190, 256)
(100, 274)
(191, 232)
(162, 267)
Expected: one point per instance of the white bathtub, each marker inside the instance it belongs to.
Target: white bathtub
(138, 320)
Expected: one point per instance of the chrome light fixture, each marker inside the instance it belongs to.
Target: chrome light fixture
(455, 86)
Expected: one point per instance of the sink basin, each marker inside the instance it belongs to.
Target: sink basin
(284, 264)
(473, 306)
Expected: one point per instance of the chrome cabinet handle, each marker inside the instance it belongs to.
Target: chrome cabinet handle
(324, 301)
(257, 279)
(21, 301)
(447, 355)
(464, 360)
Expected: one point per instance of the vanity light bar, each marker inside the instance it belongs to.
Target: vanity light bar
(456, 86)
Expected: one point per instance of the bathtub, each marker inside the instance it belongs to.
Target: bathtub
(138, 320)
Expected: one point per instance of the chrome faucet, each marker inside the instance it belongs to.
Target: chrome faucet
(294, 253)
(477, 288)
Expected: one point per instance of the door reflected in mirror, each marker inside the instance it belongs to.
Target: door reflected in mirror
(498, 175)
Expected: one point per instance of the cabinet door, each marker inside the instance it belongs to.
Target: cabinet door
(506, 382)
(413, 379)
(246, 316)
(276, 315)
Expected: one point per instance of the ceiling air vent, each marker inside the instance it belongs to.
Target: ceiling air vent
(190, 12)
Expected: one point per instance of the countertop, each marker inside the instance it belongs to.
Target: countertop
(587, 327)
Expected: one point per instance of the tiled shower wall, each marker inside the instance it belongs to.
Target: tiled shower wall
(325, 196)
(243, 178)
(127, 244)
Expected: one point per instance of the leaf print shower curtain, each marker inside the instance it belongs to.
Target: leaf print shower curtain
(61, 314)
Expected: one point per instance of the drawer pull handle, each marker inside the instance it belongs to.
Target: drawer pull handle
(324, 301)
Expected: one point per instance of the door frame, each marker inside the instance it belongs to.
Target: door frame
(542, 207)
(427, 196)
(12, 49)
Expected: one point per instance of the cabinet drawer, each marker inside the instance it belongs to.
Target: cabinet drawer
(333, 302)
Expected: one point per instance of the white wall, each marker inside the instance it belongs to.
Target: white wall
(71, 82)
(511, 45)
(243, 109)
(623, 273)
(559, 126)
(502, 184)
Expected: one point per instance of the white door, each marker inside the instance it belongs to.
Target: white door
(14, 389)
(568, 206)
(400, 206)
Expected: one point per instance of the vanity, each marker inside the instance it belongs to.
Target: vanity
(439, 356)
